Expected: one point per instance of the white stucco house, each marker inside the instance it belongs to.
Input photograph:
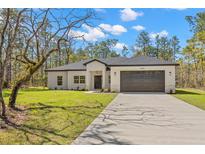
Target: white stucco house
(119, 74)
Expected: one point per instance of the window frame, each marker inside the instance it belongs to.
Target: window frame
(82, 79)
(76, 78)
(59, 80)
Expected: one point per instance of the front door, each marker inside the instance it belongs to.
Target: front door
(98, 82)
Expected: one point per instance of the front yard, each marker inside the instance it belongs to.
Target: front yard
(53, 117)
(58, 116)
(192, 96)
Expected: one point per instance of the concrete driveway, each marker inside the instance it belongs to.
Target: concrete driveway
(146, 118)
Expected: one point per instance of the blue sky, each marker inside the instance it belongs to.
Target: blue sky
(126, 24)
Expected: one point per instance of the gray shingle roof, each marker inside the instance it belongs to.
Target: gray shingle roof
(72, 66)
(115, 61)
(140, 61)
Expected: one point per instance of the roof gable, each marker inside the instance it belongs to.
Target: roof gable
(95, 60)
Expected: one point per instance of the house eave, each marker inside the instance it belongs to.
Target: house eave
(144, 65)
(66, 70)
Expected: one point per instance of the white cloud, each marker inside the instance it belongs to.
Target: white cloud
(115, 29)
(91, 34)
(136, 48)
(120, 46)
(179, 9)
(100, 10)
(77, 34)
(129, 14)
(163, 33)
(138, 28)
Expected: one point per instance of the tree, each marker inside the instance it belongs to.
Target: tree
(3, 61)
(80, 54)
(161, 46)
(114, 54)
(43, 33)
(157, 46)
(194, 53)
(102, 49)
(143, 43)
(165, 52)
(124, 51)
(8, 36)
(175, 46)
(197, 23)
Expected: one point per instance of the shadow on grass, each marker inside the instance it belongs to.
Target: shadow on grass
(50, 135)
(42, 106)
(187, 92)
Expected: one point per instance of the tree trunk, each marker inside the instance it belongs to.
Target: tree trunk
(3, 106)
(19, 83)
(68, 56)
(8, 72)
(14, 92)
(59, 58)
(16, 87)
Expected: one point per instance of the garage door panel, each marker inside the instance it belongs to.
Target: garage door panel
(142, 81)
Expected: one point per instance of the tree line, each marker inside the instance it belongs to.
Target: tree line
(32, 40)
(192, 60)
(161, 47)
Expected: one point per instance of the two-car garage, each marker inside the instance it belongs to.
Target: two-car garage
(142, 81)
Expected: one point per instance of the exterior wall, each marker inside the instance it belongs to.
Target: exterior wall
(107, 84)
(169, 77)
(70, 79)
(52, 80)
(95, 68)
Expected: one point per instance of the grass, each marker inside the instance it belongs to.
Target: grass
(194, 97)
(53, 116)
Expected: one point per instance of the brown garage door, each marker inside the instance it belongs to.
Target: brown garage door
(142, 81)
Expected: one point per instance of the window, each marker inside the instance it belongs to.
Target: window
(79, 79)
(82, 79)
(59, 80)
(76, 79)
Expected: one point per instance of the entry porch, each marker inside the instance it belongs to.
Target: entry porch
(97, 80)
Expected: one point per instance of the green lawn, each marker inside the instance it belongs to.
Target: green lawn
(192, 96)
(53, 116)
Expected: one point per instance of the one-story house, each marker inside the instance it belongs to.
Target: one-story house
(119, 74)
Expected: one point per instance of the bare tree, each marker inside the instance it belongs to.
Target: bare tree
(10, 24)
(3, 61)
(43, 32)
